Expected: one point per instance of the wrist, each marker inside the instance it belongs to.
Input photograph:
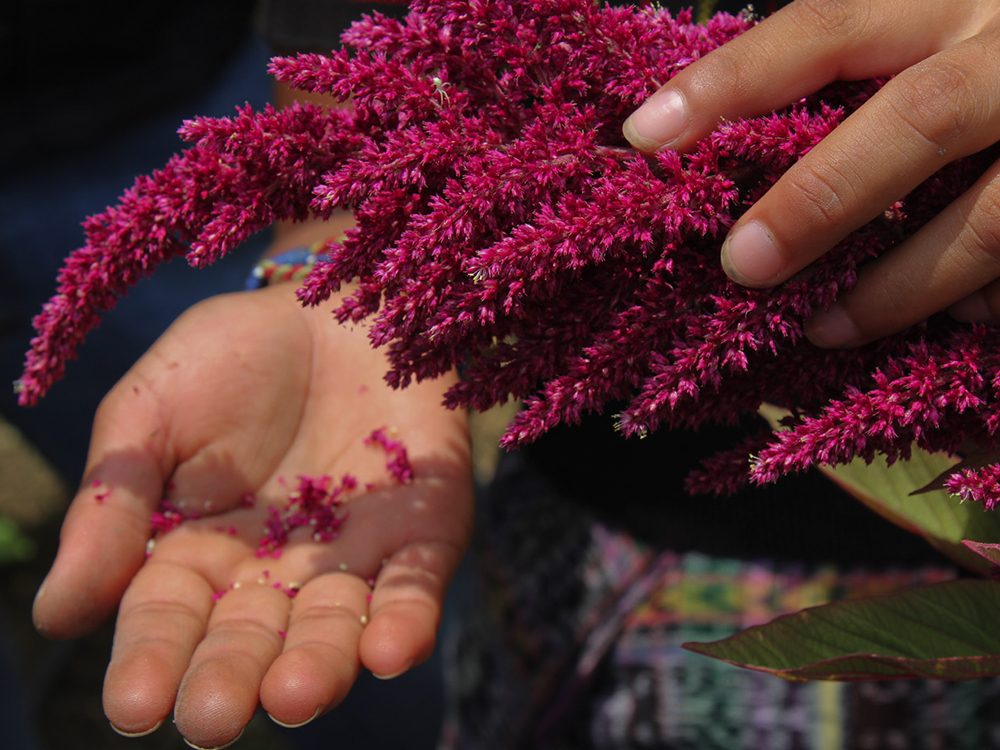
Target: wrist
(291, 234)
(293, 264)
(296, 248)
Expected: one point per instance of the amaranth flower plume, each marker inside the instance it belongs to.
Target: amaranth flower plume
(503, 224)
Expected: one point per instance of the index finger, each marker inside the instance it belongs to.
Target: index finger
(791, 54)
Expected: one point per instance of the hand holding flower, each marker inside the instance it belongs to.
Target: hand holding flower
(940, 105)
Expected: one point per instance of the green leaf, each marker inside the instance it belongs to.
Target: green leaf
(989, 551)
(14, 545)
(943, 520)
(944, 631)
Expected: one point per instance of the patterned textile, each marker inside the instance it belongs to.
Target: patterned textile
(575, 643)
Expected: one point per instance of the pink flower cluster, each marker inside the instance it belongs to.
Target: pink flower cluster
(398, 461)
(313, 504)
(506, 227)
(167, 517)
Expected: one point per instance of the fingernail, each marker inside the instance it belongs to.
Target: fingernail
(832, 328)
(39, 625)
(972, 309)
(41, 590)
(394, 674)
(141, 733)
(295, 726)
(662, 119)
(750, 257)
(217, 747)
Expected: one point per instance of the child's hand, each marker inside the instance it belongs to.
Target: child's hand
(240, 397)
(943, 103)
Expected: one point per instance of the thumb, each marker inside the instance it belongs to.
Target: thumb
(104, 534)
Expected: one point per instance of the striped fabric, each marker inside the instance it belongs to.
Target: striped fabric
(575, 642)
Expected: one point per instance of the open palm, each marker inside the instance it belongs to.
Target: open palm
(244, 394)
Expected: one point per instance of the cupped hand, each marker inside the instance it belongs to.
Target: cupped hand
(244, 394)
(941, 104)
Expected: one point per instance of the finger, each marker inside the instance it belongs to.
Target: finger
(794, 52)
(955, 254)
(406, 607)
(938, 110)
(219, 692)
(319, 663)
(161, 620)
(104, 535)
(982, 306)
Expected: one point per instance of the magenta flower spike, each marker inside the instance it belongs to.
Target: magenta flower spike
(505, 226)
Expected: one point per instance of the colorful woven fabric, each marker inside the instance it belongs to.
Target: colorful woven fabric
(576, 643)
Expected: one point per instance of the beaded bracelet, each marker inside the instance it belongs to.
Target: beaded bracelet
(290, 265)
